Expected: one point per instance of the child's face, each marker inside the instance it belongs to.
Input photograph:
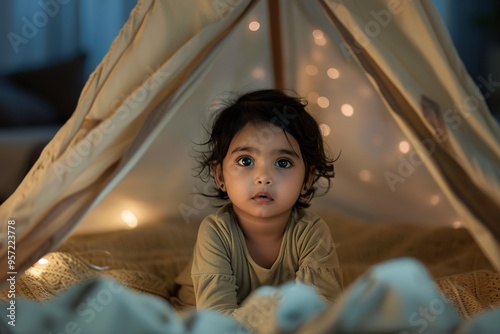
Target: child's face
(263, 172)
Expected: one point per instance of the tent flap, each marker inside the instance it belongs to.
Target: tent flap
(83, 157)
(461, 156)
(152, 72)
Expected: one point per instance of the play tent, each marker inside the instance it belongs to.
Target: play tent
(416, 143)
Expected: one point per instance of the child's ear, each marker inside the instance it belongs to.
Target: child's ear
(308, 181)
(219, 176)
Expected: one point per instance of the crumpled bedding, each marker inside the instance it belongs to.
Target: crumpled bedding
(397, 296)
(147, 260)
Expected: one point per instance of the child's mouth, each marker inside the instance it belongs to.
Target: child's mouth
(262, 197)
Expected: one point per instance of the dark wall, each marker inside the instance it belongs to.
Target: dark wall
(474, 27)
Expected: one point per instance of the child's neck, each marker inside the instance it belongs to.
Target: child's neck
(263, 237)
(263, 229)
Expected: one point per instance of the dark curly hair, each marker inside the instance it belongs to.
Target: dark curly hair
(282, 110)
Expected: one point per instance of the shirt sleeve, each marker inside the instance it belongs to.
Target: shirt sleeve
(214, 282)
(318, 262)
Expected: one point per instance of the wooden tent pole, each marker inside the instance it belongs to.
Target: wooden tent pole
(276, 43)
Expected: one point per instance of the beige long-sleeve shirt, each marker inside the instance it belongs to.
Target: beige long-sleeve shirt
(222, 273)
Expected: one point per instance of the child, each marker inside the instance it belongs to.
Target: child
(265, 155)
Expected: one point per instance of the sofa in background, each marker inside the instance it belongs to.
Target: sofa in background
(34, 104)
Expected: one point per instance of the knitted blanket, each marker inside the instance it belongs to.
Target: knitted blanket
(149, 258)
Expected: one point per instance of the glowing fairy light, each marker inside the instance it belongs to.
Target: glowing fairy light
(323, 102)
(347, 110)
(38, 269)
(333, 73)
(319, 37)
(457, 224)
(254, 26)
(435, 199)
(318, 34)
(404, 146)
(325, 130)
(320, 42)
(311, 70)
(129, 218)
(365, 175)
(258, 73)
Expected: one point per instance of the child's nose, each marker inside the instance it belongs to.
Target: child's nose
(263, 177)
(264, 181)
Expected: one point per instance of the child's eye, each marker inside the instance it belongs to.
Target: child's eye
(284, 163)
(245, 161)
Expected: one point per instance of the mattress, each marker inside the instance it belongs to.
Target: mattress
(148, 259)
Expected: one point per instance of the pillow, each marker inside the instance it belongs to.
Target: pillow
(20, 107)
(59, 83)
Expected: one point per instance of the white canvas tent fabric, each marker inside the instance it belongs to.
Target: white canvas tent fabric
(127, 148)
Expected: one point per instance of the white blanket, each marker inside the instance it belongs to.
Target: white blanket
(398, 296)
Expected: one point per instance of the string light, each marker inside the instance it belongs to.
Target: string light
(37, 270)
(404, 146)
(129, 218)
(319, 37)
(347, 110)
(258, 73)
(365, 175)
(325, 130)
(323, 102)
(435, 199)
(311, 70)
(333, 73)
(318, 34)
(320, 42)
(254, 26)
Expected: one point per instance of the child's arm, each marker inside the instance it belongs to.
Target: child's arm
(318, 262)
(213, 280)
